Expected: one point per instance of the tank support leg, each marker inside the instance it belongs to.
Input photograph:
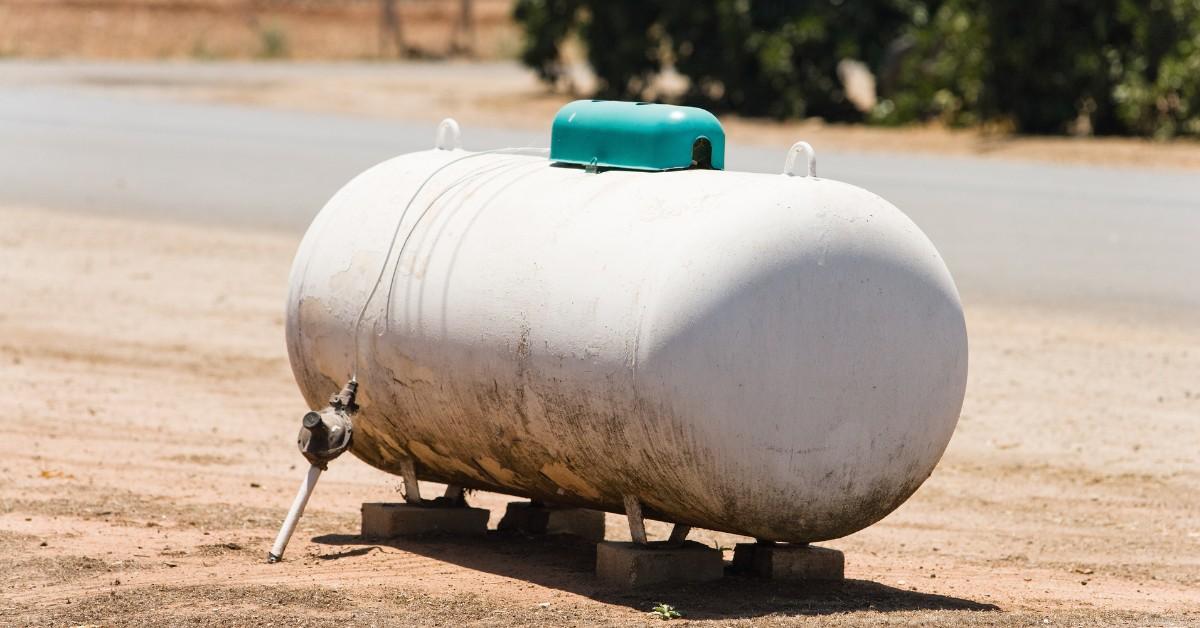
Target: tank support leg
(637, 525)
(678, 535)
(412, 487)
(455, 496)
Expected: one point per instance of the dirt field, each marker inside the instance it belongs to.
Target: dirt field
(148, 456)
(246, 29)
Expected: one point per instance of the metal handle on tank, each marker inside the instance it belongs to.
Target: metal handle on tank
(449, 136)
(790, 165)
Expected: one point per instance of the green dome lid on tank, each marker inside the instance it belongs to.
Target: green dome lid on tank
(636, 136)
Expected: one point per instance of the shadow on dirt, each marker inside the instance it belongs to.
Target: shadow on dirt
(567, 564)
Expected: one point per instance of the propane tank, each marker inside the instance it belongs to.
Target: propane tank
(778, 356)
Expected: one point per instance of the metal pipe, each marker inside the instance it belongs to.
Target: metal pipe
(293, 516)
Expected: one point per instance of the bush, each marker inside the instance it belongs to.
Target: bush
(1157, 90)
(773, 58)
(545, 24)
(935, 69)
(764, 58)
(1058, 66)
(1096, 66)
(1111, 64)
(273, 43)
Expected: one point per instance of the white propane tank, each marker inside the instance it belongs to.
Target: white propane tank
(777, 356)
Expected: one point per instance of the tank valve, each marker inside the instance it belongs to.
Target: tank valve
(326, 434)
(323, 436)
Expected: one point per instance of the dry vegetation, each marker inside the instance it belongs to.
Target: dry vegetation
(242, 29)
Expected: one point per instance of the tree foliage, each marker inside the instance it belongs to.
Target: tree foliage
(1057, 66)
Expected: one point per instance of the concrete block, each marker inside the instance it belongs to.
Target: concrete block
(789, 562)
(530, 519)
(384, 520)
(633, 565)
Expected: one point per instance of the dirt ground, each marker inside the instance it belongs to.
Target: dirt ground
(246, 29)
(148, 456)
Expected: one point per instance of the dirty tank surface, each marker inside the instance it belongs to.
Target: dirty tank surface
(779, 357)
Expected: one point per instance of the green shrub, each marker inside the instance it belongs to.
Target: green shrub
(273, 43)
(780, 58)
(1157, 89)
(545, 24)
(934, 69)
(1057, 66)
(1060, 66)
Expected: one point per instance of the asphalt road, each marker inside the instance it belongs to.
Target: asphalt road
(1016, 232)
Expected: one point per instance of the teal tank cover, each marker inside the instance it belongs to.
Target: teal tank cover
(636, 136)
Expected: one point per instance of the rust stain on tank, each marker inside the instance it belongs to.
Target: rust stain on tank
(496, 470)
(558, 473)
(432, 459)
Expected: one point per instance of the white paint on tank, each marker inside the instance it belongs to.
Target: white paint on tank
(778, 356)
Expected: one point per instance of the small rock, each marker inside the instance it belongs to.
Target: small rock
(255, 485)
(43, 544)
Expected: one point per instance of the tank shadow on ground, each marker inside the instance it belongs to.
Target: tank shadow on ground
(568, 564)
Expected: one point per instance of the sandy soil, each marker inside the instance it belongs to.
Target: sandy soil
(148, 456)
(246, 29)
